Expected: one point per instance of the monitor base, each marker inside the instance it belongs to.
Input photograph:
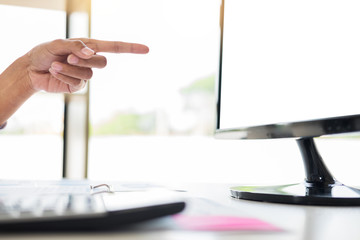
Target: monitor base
(319, 187)
(335, 195)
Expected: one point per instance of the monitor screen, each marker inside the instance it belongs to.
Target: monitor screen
(288, 61)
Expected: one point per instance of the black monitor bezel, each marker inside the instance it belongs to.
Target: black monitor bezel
(309, 128)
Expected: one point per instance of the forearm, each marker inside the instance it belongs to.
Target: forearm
(15, 88)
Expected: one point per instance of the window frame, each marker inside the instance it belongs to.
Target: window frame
(75, 131)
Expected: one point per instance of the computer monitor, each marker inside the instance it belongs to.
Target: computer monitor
(291, 69)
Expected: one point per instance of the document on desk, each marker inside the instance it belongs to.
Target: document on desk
(207, 215)
(222, 223)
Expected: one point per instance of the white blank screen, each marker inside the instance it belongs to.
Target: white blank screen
(289, 60)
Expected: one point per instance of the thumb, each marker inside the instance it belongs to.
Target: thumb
(68, 46)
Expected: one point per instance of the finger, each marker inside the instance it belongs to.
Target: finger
(115, 46)
(96, 61)
(67, 46)
(73, 84)
(72, 71)
(76, 88)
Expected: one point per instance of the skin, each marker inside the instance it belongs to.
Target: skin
(59, 66)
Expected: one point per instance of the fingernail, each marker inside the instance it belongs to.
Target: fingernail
(87, 51)
(56, 67)
(73, 59)
(53, 72)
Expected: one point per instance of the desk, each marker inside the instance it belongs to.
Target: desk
(296, 222)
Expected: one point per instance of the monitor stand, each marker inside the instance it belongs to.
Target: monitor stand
(319, 187)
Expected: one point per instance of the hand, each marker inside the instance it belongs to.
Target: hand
(64, 66)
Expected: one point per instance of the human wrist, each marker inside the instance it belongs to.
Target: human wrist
(24, 79)
(15, 87)
(16, 77)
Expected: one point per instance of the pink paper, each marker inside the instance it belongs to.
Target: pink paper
(222, 223)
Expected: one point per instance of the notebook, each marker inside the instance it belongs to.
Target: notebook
(82, 205)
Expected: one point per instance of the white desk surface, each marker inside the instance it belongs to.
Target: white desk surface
(296, 222)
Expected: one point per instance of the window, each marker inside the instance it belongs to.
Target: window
(143, 108)
(31, 144)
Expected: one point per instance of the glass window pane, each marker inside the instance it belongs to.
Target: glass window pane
(31, 144)
(146, 106)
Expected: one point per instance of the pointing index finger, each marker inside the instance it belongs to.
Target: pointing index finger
(116, 46)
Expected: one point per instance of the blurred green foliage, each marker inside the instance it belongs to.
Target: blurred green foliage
(126, 124)
(206, 84)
